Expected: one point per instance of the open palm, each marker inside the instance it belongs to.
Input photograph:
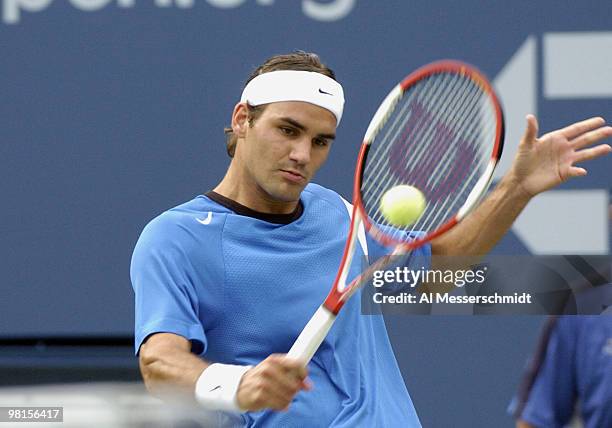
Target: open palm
(545, 162)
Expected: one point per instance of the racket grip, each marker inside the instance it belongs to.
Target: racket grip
(312, 335)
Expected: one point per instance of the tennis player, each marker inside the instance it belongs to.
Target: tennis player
(569, 375)
(225, 282)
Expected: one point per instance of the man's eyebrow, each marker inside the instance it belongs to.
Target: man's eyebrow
(301, 127)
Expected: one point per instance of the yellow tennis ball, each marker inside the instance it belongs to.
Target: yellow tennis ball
(402, 205)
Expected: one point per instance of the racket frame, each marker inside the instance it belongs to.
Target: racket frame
(317, 328)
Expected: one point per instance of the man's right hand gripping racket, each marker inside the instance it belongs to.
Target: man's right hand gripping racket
(440, 130)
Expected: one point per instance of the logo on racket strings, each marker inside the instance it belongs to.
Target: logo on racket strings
(442, 143)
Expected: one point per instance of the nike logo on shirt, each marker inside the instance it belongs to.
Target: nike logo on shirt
(206, 220)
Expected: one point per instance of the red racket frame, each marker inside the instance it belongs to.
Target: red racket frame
(336, 298)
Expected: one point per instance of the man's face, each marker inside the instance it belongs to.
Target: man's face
(284, 148)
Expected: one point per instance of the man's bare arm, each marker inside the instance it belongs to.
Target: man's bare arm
(166, 362)
(478, 233)
(166, 359)
(540, 164)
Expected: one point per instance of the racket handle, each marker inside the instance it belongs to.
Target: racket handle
(312, 335)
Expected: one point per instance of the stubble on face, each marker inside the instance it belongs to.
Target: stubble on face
(281, 152)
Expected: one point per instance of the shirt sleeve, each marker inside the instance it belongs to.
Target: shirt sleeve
(165, 297)
(551, 400)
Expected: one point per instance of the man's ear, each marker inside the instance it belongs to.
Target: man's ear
(240, 120)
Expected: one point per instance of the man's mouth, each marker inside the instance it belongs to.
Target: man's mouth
(293, 176)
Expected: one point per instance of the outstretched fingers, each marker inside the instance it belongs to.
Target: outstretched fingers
(576, 129)
(531, 131)
(592, 153)
(591, 137)
(576, 171)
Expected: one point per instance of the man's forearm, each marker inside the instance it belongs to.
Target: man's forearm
(480, 231)
(166, 361)
(539, 165)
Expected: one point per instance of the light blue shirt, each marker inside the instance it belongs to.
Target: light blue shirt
(241, 288)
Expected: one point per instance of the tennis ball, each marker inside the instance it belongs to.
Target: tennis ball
(402, 205)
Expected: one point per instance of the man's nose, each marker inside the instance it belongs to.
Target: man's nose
(300, 151)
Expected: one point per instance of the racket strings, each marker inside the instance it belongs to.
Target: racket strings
(438, 214)
(434, 216)
(445, 155)
(438, 139)
(445, 166)
(409, 133)
(393, 130)
(444, 182)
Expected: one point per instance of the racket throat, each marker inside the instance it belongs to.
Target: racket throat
(340, 291)
(312, 335)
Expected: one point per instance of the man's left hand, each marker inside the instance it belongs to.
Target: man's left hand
(545, 162)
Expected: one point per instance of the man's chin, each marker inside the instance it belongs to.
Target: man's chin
(288, 192)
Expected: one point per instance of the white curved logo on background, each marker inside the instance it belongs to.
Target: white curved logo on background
(314, 9)
(329, 11)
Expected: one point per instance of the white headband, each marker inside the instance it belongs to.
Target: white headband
(293, 85)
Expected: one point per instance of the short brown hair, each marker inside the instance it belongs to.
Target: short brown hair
(298, 60)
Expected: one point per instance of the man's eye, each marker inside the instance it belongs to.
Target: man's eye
(321, 142)
(287, 131)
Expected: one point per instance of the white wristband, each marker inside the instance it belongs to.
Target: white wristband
(217, 386)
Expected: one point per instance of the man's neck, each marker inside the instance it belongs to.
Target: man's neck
(236, 187)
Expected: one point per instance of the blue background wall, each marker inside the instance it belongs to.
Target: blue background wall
(113, 111)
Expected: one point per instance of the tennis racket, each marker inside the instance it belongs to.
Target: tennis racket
(440, 130)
